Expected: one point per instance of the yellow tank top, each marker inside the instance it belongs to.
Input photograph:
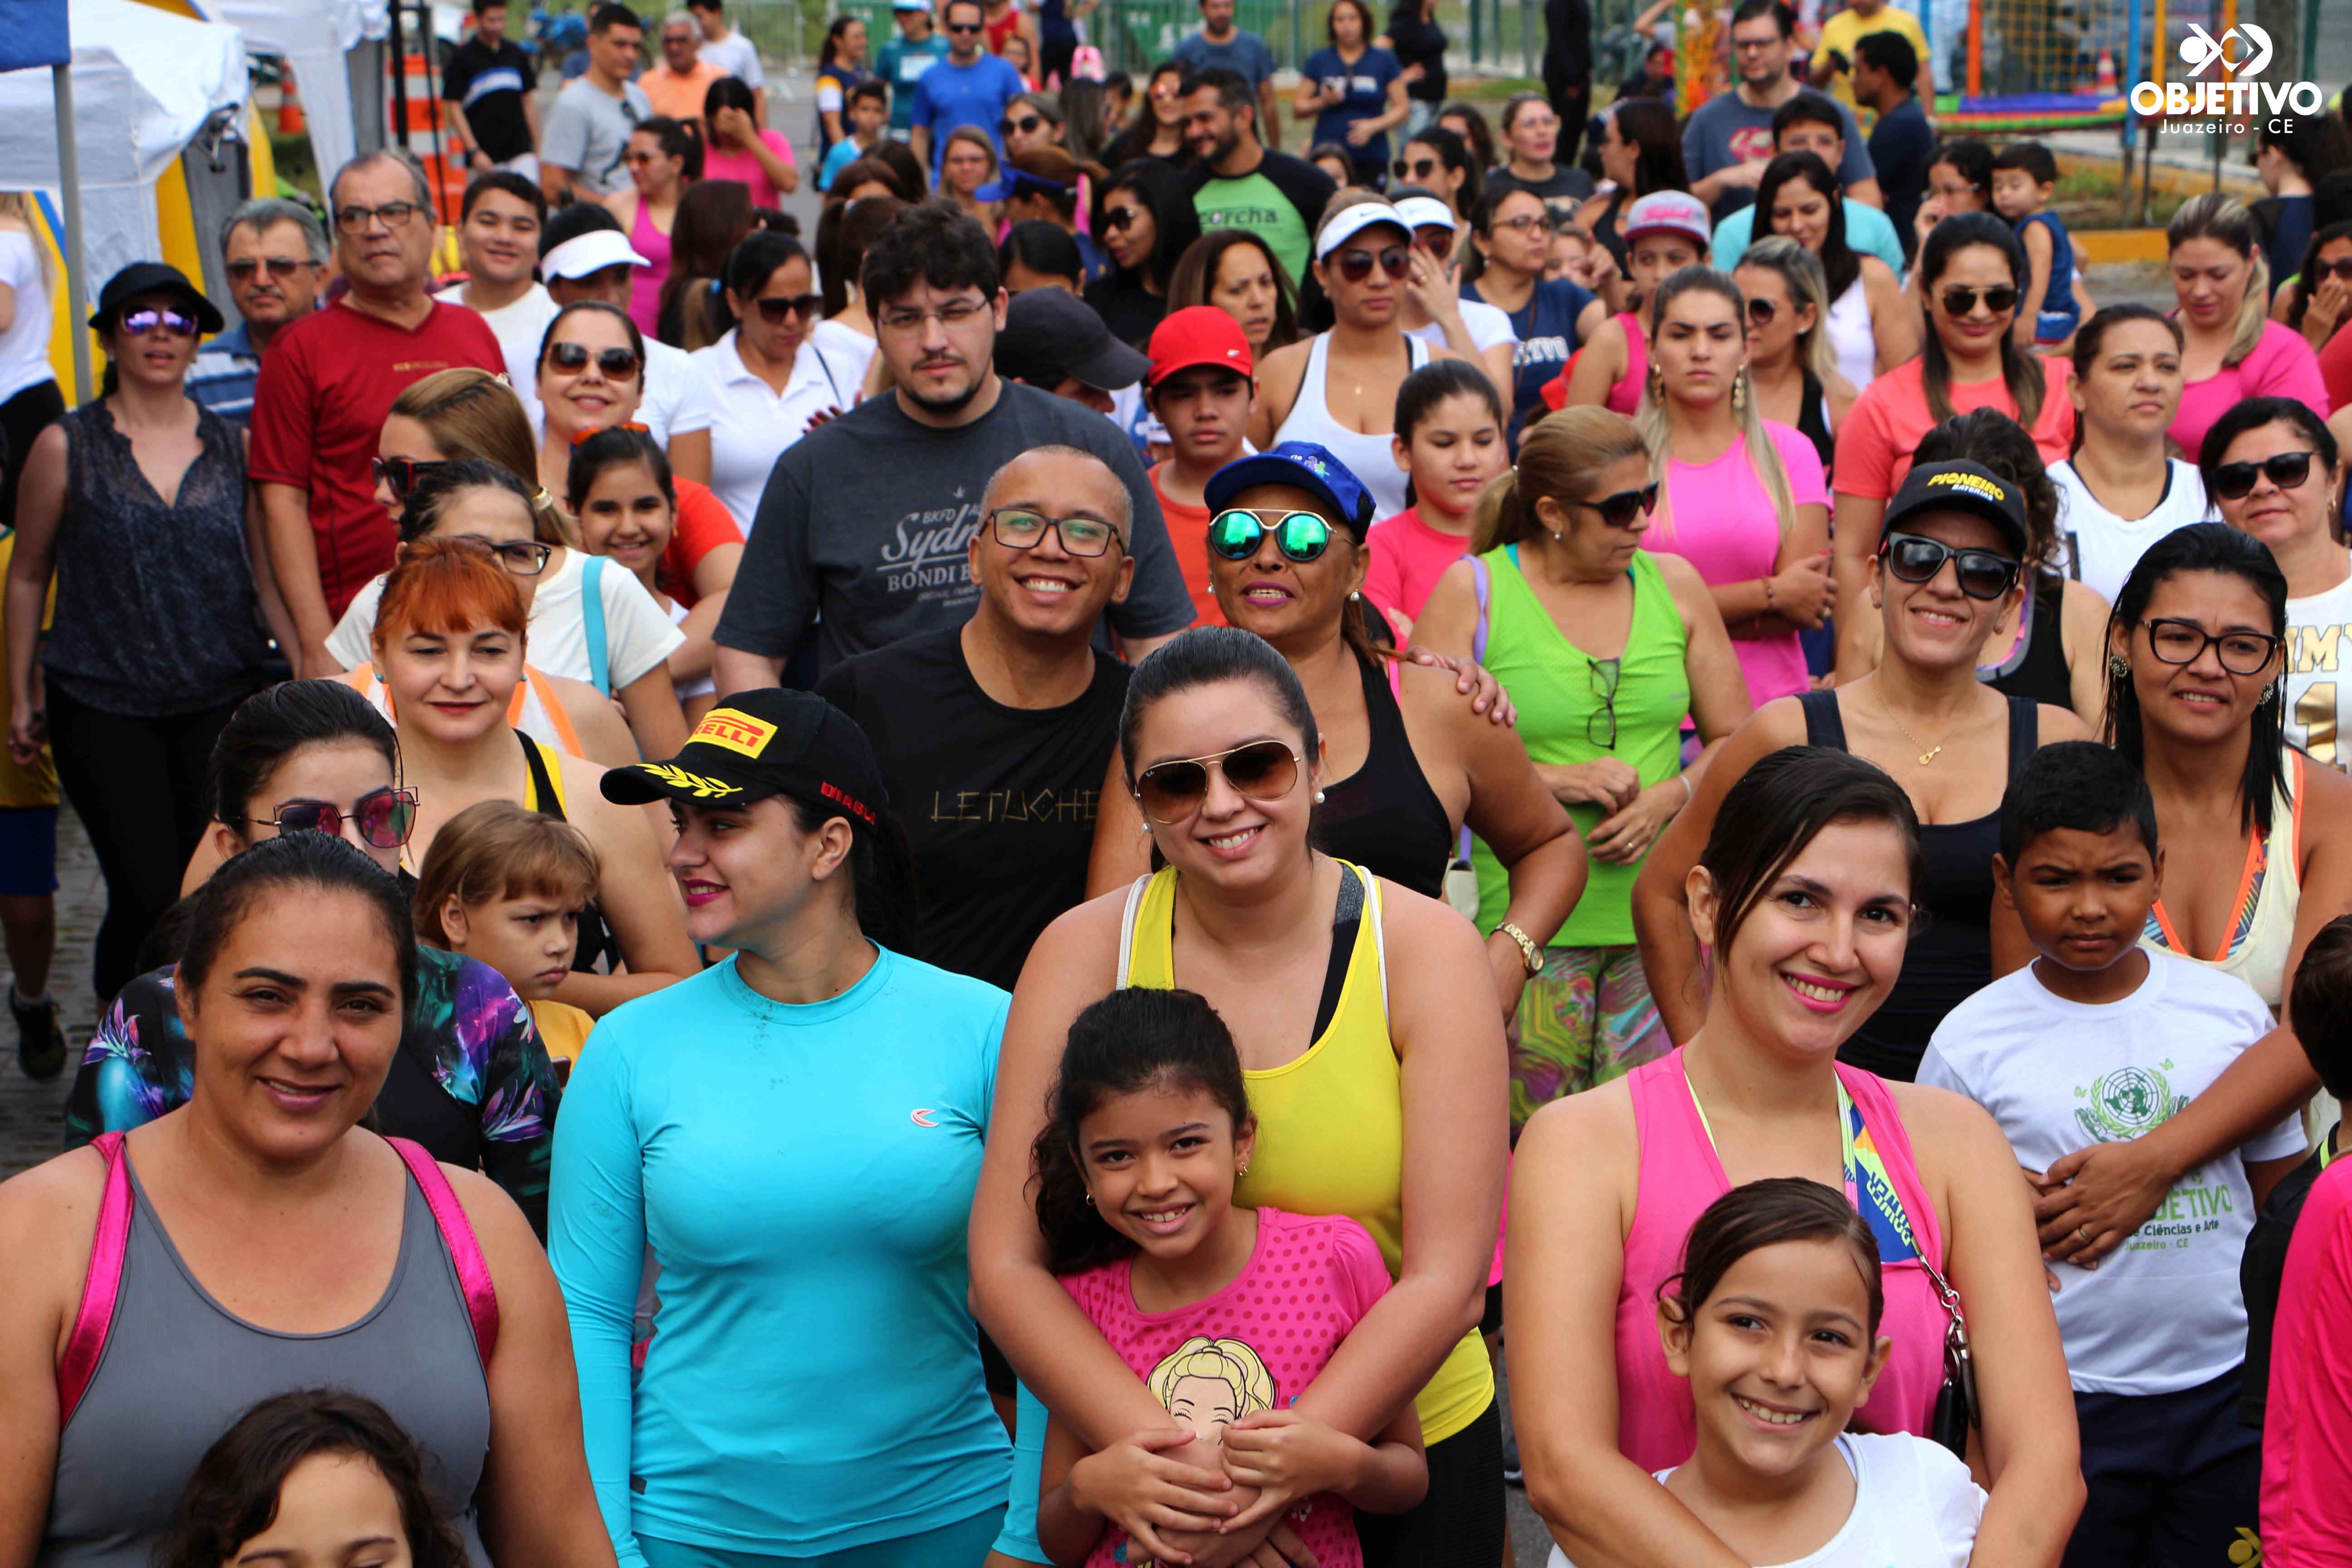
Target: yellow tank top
(1330, 1122)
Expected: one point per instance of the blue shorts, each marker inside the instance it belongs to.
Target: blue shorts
(28, 851)
(964, 1541)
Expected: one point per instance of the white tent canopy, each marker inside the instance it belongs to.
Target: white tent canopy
(144, 83)
(313, 37)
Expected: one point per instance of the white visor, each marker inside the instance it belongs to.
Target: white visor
(1353, 221)
(1427, 212)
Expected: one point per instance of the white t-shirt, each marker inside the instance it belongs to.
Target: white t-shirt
(702, 685)
(638, 635)
(518, 327)
(847, 348)
(1915, 1506)
(675, 402)
(1487, 324)
(2106, 547)
(2319, 675)
(735, 55)
(2164, 1312)
(24, 346)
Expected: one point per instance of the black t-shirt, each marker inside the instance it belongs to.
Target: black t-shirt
(1420, 41)
(1567, 183)
(998, 803)
(488, 85)
(1900, 145)
(1130, 310)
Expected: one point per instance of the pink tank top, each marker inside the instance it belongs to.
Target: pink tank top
(1680, 1175)
(644, 290)
(1626, 396)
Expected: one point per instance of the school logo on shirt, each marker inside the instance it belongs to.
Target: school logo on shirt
(2119, 1106)
(735, 729)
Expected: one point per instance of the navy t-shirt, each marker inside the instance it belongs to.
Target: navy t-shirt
(1547, 328)
(1366, 84)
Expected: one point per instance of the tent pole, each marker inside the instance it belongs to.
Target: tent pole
(76, 263)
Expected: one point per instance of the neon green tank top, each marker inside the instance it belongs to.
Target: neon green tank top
(1330, 1122)
(1562, 719)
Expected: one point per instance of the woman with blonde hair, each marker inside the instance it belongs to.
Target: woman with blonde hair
(1790, 367)
(2233, 351)
(29, 399)
(1606, 645)
(1742, 497)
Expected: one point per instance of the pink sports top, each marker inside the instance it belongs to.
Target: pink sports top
(645, 288)
(1626, 396)
(1680, 1175)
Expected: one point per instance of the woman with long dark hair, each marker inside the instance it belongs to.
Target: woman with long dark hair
(2320, 298)
(713, 217)
(2119, 491)
(1158, 129)
(1971, 273)
(1640, 151)
(1869, 322)
(840, 70)
(741, 149)
(1146, 222)
(664, 158)
(1235, 270)
(1468, 121)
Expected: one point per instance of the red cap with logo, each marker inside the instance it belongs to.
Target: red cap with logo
(1197, 334)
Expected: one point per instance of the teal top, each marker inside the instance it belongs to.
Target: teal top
(1560, 692)
(802, 1176)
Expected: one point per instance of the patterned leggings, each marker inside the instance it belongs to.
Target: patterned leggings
(1588, 1018)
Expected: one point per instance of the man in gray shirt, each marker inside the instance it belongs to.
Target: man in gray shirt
(1221, 46)
(867, 526)
(587, 134)
(1728, 138)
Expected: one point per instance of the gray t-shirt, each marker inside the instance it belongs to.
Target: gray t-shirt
(1727, 130)
(866, 520)
(1243, 52)
(588, 132)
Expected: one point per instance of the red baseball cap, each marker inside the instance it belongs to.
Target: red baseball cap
(1197, 334)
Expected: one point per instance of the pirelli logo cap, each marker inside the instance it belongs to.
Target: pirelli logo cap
(758, 744)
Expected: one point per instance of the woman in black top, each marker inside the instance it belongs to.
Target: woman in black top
(1788, 361)
(1413, 763)
(1640, 151)
(1145, 220)
(1158, 129)
(1418, 45)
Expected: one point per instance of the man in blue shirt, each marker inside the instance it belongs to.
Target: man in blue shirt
(274, 253)
(1221, 46)
(968, 88)
(905, 58)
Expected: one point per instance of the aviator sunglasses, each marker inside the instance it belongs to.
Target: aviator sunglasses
(1171, 792)
(383, 816)
(1355, 266)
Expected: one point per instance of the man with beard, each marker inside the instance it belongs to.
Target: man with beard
(1238, 181)
(865, 527)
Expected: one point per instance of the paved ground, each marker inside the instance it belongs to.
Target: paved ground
(32, 1115)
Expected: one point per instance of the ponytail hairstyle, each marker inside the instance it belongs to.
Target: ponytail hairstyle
(713, 217)
(268, 727)
(1559, 454)
(2093, 337)
(1840, 265)
(759, 257)
(1432, 385)
(1134, 1040)
(2299, 298)
(2204, 547)
(433, 491)
(1800, 270)
(678, 138)
(2216, 216)
(1770, 1213)
(1656, 420)
(470, 413)
(1992, 438)
(2021, 372)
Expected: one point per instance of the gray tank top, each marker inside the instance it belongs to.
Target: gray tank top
(178, 1368)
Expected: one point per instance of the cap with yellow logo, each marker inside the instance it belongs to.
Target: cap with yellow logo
(758, 744)
(1962, 487)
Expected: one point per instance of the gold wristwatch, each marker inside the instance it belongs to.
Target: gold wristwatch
(1528, 951)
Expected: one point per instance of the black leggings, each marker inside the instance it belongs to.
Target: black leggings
(1460, 1524)
(138, 786)
(23, 417)
(1054, 58)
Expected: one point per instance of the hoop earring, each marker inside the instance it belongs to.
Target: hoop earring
(1090, 1200)
(2118, 666)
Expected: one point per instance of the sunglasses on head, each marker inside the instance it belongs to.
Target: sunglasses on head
(775, 311)
(1235, 533)
(1983, 573)
(1171, 792)
(1959, 302)
(245, 267)
(383, 816)
(2287, 470)
(1419, 169)
(1355, 266)
(139, 323)
(1026, 124)
(619, 364)
(1619, 510)
(402, 475)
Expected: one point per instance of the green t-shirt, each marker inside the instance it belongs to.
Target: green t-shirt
(1257, 204)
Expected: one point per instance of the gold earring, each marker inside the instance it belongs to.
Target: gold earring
(1740, 393)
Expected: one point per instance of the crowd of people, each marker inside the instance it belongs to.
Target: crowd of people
(904, 896)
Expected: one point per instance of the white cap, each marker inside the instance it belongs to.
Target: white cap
(588, 254)
(1427, 212)
(1350, 222)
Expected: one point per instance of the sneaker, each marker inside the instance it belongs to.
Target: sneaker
(40, 1039)
(1511, 1472)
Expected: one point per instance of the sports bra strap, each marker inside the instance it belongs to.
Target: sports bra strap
(101, 1283)
(457, 1236)
(546, 799)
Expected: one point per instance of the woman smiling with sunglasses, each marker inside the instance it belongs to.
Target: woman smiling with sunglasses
(1944, 576)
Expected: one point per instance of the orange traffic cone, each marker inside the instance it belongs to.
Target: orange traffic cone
(290, 109)
(2106, 84)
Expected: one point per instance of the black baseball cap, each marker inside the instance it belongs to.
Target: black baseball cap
(154, 278)
(1050, 334)
(762, 742)
(1960, 487)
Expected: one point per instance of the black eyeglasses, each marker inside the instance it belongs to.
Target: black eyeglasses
(1019, 528)
(1619, 510)
(1983, 573)
(1025, 124)
(1959, 302)
(245, 267)
(1171, 792)
(2185, 642)
(1235, 533)
(355, 219)
(775, 311)
(1355, 266)
(139, 323)
(1120, 218)
(383, 816)
(1419, 169)
(2287, 470)
(521, 557)
(1601, 726)
(963, 26)
(621, 364)
(402, 475)
(1526, 222)
(1761, 312)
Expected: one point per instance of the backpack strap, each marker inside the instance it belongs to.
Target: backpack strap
(457, 1236)
(102, 1284)
(592, 617)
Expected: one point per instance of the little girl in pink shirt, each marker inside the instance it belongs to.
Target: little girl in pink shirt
(1449, 441)
(1227, 1313)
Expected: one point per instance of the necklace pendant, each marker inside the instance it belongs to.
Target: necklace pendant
(1930, 756)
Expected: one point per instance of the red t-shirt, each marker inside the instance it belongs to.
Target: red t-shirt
(319, 407)
(703, 525)
(1188, 535)
(1875, 443)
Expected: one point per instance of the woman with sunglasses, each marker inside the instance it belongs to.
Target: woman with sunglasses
(1510, 232)
(1440, 307)
(471, 1081)
(1364, 257)
(1869, 322)
(1944, 580)
(1147, 223)
(2233, 350)
(664, 158)
(136, 503)
(1353, 90)
(1235, 270)
(1790, 370)
(1158, 129)
(1377, 1077)
(2316, 300)
(768, 377)
(1640, 151)
(1437, 158)
(2120, 492)
(1970, 274)
(1607, 647)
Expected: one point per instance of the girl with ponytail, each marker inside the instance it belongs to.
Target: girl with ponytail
(2234, 350)
(1741, 497)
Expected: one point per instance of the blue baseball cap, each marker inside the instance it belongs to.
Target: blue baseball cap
(1305, 464)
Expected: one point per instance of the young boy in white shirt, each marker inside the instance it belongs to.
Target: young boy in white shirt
(2101, 1040)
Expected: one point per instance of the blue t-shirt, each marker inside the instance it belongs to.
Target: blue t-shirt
(802, 1176)
(1547, 328)
(1366, 84)
(1868, 232)
(1243, 52)
(837, 157)
(901, 65)
(950, 95)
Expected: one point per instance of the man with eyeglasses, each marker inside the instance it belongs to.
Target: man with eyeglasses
(1238, 181)
(587, 136)
(1221, 46)
(274, 253)
(968, 88)
(327, 385)
(1728, 138)
(678, 83)
(864, 529)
